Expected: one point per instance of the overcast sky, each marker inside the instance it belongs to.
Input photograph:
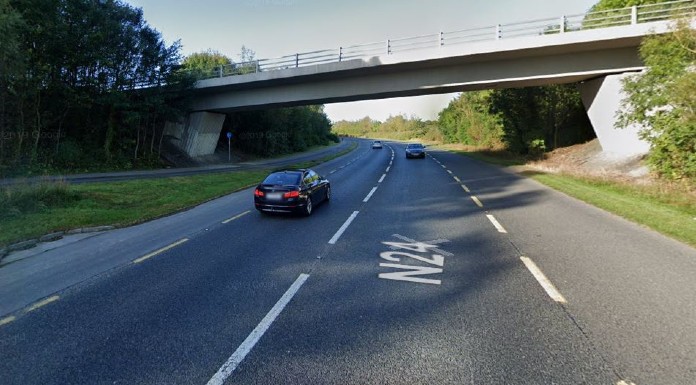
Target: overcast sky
(275, 28)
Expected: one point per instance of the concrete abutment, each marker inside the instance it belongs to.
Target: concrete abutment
(198, 134)
(602, 100)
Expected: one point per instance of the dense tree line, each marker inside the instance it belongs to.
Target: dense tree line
(83, 83)
(397, 127)
(280, 131)
(525, 121)
(89, 85)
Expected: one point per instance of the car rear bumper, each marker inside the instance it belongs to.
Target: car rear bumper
(280, 208)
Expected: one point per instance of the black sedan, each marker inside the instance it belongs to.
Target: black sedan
(291, 191)
(415, 150)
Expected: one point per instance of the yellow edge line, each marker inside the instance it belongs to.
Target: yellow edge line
(7, 320)
(42, 303)
(236, 216)
(175, 244)
(477, 201)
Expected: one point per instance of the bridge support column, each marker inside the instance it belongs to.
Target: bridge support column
(602, 99)
(199, 134)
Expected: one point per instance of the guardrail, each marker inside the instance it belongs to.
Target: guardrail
(564, 24)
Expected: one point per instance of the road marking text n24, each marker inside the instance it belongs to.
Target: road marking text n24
(414, 250)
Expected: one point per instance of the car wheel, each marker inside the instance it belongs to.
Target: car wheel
(327, 197)
(308, 207)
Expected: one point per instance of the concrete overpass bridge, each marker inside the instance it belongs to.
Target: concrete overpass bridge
(593, 50)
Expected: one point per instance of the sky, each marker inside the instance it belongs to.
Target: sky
(274, 28)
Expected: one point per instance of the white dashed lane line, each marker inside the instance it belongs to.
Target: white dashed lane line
(496, 224)
(367, 198)
(148, 256)
(236, 217)
(42, 303)
(543, 280)
(477, 201)
(531, 266)
(343, 228)
(238, 356)
(382, 178)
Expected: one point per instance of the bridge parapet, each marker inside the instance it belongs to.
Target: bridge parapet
(562, 24)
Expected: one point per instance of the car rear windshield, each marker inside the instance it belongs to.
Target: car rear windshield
(414, 146)
(283, 179)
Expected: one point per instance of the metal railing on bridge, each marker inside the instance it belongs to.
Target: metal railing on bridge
(564, 24)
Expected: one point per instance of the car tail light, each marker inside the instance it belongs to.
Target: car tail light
(291, 194)
(258, 193)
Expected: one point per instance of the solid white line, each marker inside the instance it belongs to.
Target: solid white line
(497, 224)
(238, 356)
(382, 178)
(477, 201)
(367, 198)
(543, 281)
(343, 228)
(236, 217)
(152, 254)
(388, 168)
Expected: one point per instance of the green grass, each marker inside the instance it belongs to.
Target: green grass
(663, 209)
(30, 211)
(64, 207)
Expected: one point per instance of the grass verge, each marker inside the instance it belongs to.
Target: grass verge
(663, 209)
(31, 211)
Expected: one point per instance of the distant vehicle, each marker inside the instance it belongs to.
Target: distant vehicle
(290, 191)
(377, 145)
(415, 150)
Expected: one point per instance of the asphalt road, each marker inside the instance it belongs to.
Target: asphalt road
(416, 272)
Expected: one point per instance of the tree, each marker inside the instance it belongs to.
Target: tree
(662, 100)
(86, 87)
(11, 68)
(207, 63)
(539, 118)
(468, 120)
(612, 12)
